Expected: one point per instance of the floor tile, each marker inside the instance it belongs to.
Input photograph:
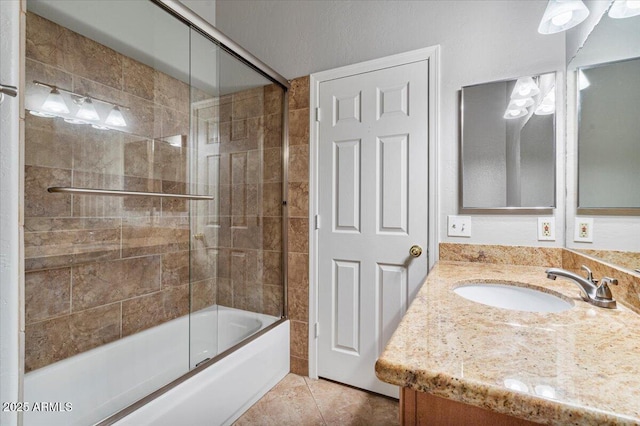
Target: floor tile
(298, 400)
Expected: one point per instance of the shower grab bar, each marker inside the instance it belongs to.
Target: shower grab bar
(120, 193)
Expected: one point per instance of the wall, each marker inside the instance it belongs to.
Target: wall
(300, 37)
(11, 220)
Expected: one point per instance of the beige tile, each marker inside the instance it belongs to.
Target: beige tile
(299, 339)
(272, 199)
(203, 294)
(298, 199)
(173, 123)
(272, 233)
(97, 151)
(138, 78)
(169, 161)
(97, 206)
(147, 311)
(299, 366)
(171, 93)
(298, 304)
(174, 206)
(203, 264)
(39, 202)
(224, 292)
(298, 270)
(299, 127)
(47, 294)
(298, 235)
(138, 158)
(102, 283)
(342, 405)
(90, 59)
(248, 104)
(53, 340)
(273, 131)
(47, 149)
(273, 96)
(289, 403)
(249, 236)
(43, 40)
(273, 303)
(271, 267)
(272, 165)
(51, 243)
(299, 163)
(299, 93)
(511, 255)
(175, 269)
(153, 235)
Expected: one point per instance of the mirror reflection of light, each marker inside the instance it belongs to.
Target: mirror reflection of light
(624, 9)
(516, 385)
(562, 18)
(583, 82)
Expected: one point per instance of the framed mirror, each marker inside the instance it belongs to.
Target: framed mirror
(508, 144)
(603, 142)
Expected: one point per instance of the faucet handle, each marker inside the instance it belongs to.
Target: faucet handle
(603, 291)
(589, 274)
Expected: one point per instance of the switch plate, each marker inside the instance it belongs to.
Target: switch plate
(546, 229)
(459, 226)
(583, 230)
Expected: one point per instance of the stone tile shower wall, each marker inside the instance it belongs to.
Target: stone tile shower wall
(102, 268)
(298, 226)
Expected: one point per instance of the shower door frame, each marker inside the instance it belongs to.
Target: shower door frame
(195, 22)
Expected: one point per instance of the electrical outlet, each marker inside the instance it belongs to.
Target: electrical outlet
(583, 230)
(459, 226)
(546, 229)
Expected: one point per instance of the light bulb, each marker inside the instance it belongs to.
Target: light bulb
(624, 9)
(515, 113)
(99, 127)
(75, 121)
(116, 118)
(87, 111)
(562, 18)
(525, 88)
(55, 103)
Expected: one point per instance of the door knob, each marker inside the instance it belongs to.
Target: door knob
(415, 251)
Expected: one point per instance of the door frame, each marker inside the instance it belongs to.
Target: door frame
(432, 54)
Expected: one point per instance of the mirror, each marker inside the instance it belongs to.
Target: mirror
(603, 142)
(508, 144)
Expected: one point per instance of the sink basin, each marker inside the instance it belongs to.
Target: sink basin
(517, 298)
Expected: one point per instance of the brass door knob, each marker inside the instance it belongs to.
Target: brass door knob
(415, 251)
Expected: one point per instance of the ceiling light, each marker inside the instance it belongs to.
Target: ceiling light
(55, 103)
(624, 9)
(560, 15)
(525, 88)
(116, 118)
(87, 111)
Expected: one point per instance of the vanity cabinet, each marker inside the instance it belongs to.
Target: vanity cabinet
(419, 409)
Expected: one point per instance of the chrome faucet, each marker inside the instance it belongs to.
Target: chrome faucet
(592, 292)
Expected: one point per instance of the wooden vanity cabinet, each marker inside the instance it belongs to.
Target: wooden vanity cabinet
(419, 408)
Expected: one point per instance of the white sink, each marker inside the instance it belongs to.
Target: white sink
(513, 297)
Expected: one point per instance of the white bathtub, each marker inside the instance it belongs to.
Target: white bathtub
(104, 380)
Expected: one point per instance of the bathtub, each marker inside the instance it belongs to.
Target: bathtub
(135, 366)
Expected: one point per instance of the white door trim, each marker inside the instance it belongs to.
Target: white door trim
(432, 54)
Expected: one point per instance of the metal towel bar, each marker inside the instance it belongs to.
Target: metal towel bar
(119, 193)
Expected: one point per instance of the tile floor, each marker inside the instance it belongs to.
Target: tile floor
(301, 401)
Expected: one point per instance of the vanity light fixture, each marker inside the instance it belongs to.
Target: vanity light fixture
(525, 88)
(560, 15)
(87, 111)
(55, 106)
(520, 103)
(55, 103)
(116, 118)
(548, 104)
(624, 9)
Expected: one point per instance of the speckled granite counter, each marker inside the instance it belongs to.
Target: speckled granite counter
(581, 366)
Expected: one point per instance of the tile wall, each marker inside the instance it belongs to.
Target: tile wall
(102, 268)
(298, 227)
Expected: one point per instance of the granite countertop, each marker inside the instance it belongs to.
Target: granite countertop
(580, 366)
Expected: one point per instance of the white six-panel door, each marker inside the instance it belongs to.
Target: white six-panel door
(372, 207)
